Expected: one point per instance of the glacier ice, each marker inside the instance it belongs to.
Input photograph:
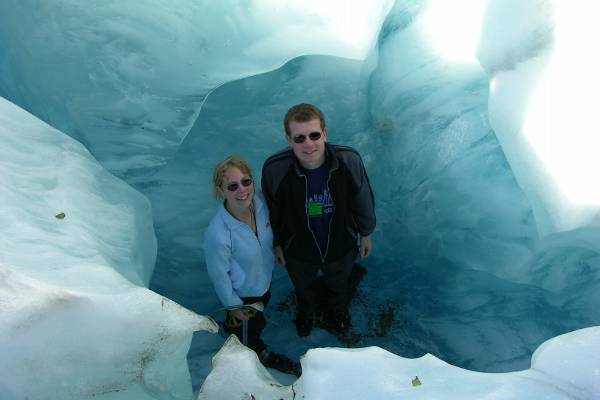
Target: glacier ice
(373, 373)
(483, 250)
(128, 80)
(251, 377)
(77, 250)
(541, 105)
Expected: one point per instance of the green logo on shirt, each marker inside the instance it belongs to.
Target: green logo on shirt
(315, 209)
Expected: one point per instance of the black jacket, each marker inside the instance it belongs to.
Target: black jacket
(284, 187)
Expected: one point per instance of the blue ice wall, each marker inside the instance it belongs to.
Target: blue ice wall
(128, 80)
(458, 269)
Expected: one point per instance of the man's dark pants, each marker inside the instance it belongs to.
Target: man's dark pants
(335, 277)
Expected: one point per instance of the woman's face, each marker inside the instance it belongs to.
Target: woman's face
(242, 196)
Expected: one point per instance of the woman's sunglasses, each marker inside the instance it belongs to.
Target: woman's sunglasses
(233, 186)
(302, 138)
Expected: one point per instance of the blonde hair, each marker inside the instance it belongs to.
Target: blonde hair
(221, 169)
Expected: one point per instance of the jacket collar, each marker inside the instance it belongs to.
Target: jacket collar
(231, 221)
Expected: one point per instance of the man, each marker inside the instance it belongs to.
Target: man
(321, 207)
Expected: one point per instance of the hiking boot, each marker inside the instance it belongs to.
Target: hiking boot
(279, 362)
(340, 320)
(304, 323)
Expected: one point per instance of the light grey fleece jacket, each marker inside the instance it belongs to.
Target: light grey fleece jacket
(238, 263)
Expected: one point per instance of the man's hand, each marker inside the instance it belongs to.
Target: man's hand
(279, 257)
(365, 247)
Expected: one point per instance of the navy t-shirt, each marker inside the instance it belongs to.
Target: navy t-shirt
(319, 204)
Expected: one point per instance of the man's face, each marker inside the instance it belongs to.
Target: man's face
(310, 153)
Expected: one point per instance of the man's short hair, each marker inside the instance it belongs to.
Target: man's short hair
(302, 112)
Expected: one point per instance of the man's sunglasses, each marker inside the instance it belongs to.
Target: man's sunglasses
(302, 138)
(233, 186)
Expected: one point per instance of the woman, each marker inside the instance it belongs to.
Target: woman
(238, 246)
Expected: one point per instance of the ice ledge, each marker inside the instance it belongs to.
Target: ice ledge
(77, 249)
(238, 374)
(565, 367)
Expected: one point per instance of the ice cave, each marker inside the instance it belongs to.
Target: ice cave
(475, 120)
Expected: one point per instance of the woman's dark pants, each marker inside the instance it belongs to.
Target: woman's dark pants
(256, 324)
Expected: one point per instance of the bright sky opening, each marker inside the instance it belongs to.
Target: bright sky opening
(453, 28)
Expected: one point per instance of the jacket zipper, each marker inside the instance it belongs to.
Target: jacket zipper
(256, 236)
(330, 219)
(255, 225)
